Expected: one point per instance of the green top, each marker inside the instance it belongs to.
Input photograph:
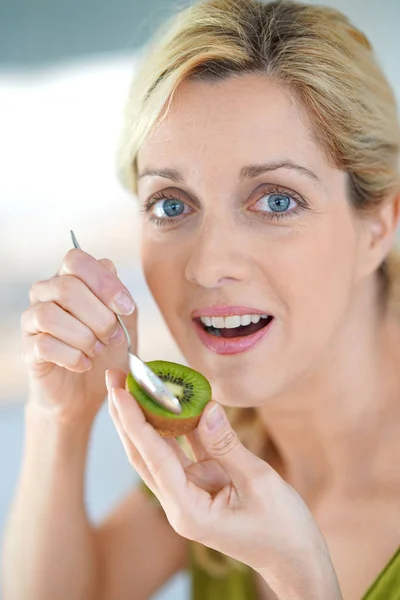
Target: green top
(387, 584)
(240, 585)
(236, 581)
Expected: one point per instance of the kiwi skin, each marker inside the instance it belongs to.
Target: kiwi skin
(166, 423)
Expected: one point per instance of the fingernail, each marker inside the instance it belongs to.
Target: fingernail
(123, 304)
(114, 397)
(117, 337)
(108, 380)
(87, 363)
(215, 418)
(112, 394)
(98, 348)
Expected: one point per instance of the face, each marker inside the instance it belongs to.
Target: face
(224, 245)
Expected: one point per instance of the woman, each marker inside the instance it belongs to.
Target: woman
(262, 143)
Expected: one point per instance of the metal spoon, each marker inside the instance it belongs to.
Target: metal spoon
(145, 377)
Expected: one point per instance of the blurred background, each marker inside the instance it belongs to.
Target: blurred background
(65, 69)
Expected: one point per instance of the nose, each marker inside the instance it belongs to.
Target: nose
(217, 257)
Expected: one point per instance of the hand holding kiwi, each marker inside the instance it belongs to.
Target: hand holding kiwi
(190, 387)
(225, 497)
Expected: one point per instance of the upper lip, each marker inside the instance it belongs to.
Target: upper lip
(227, 311)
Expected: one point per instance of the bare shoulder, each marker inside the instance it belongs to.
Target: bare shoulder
(138, 549)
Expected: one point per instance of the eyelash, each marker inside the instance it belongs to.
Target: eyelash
(272, 216)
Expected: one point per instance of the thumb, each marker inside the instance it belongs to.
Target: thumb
(222, 443)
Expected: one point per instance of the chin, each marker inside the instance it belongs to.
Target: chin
(240, 392)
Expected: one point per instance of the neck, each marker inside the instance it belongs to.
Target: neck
(328, 431)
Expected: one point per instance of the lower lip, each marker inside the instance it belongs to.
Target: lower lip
(221, 345)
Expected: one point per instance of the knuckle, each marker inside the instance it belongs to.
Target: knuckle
(108, 326)
(132, 455)
(63, 288)
(109, 265)
(225, 443)
(89, 340)
(33, 291)
(29, 351)
(71, 261)
(157, 467)
(43, 345)
(43, 315)
(154, 469)
(77, 362)
(108, 286)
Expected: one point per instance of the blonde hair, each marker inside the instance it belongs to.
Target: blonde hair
(314, 52)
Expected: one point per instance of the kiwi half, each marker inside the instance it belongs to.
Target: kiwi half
(190, 387)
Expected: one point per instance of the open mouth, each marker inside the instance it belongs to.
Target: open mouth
(236, 332)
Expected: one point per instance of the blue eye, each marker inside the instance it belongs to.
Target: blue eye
(277, 203)
(173, 208)
(168, 208)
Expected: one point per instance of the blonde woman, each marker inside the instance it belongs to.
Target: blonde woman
(262, 142)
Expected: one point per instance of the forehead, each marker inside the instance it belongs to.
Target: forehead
(233, 121)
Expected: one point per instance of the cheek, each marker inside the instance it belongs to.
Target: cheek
(162, 267)
(317, 276)
(155, 269)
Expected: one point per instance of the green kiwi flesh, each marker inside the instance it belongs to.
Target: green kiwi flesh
(190, 387)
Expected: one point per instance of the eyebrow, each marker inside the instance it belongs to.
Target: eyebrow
(247, 172)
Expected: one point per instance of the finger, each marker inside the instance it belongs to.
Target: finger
(99, 279)
(221, 443)
(206, 471)
(48, 317)
(44, 348)
(185, 461)
(209, 475)
(159, 456)
(72, 295)
(132, 453)
(130, 321)
(196, 446)
(108, 264)
(116, 379)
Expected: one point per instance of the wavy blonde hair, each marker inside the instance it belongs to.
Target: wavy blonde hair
(323, 60)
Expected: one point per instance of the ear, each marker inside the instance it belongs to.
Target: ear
(379, 233)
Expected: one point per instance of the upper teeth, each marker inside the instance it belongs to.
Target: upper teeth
(232, 321)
